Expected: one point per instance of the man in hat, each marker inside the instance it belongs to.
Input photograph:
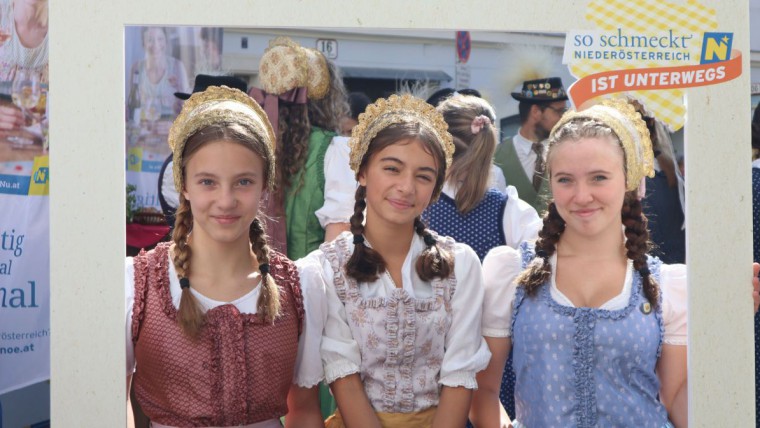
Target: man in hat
(167, 194)
(521, 158)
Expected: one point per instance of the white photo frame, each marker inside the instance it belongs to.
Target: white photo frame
(88, 185)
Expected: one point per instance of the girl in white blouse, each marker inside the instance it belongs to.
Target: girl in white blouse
(401, 307)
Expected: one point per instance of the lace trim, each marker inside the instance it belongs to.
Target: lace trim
(337, 254)
(583, 366)
(654, 265)
(339, 369)
(140, 264)
(409, 340)
(285, 272)
(308, 382)
(464, 378)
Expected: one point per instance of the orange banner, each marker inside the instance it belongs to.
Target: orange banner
(638, 79)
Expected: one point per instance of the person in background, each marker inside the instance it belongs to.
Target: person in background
(496, 178)
(521, 158)
(24, 47)
(469, 210)
(156, 78)
(662, 203)
(357, 101)
(304, 95)
(756, 240)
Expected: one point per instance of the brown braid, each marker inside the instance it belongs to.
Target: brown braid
(269, 298)
(365, 264)
(433, 262)
(189, 314)
(292, 143)
(637, 244)
(539, 271)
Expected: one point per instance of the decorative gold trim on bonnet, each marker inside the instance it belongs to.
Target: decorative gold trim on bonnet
(318, 80)
(219, 105)
(284, 66)
(397, 109)
(631, 130)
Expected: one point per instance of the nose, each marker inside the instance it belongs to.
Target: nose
(227, 199)
(405, 183)
(583, 194)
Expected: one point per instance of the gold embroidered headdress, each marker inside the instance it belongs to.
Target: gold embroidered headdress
(630, 128)
(219, 105)
(397, 109)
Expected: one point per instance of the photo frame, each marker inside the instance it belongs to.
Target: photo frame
(87, 189)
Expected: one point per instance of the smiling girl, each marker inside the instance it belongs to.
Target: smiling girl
(213, 318)
(597, 328)
(401, 306)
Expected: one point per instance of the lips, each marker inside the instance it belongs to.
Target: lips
(585, 212)
(399, 204)
(226, 219)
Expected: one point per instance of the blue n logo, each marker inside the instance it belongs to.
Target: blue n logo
(716, 47)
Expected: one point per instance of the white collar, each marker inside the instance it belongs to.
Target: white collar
(522, 144)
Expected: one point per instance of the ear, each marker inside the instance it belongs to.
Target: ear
(361, 178)
(535, 112)
(186, 195)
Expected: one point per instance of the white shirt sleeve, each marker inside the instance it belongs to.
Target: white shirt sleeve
(466, 353)
(168, 190)
(340, 352)
(520, 222)
(340, 184)
(674, 303)
(500, 269)
(129, 288)
(308, 371)
(497, 179)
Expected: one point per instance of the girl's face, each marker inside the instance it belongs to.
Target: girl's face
(400, 180)
(588, 184)
(154, 41)
(224, 181)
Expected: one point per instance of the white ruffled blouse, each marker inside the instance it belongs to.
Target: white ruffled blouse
(345, 347)
(502, 265)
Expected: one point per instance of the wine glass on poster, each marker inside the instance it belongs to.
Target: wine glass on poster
(26, 91)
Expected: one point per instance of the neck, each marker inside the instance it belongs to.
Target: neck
(155, 61)
(527, 133)
(216, 259)
(609, 244)
(389, 241)
(25, 11)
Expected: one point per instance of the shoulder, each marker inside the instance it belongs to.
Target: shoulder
(463, 252)
(502, 260)
(282, 268)
(495, 194)
(321, 135)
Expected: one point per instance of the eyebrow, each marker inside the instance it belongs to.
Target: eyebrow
(242, 174)
(596, 171)
(399, 161)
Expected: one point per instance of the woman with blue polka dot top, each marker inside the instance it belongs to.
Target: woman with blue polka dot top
(472, 212)
(597, 328)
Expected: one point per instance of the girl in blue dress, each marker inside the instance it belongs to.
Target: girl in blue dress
(597, 327)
